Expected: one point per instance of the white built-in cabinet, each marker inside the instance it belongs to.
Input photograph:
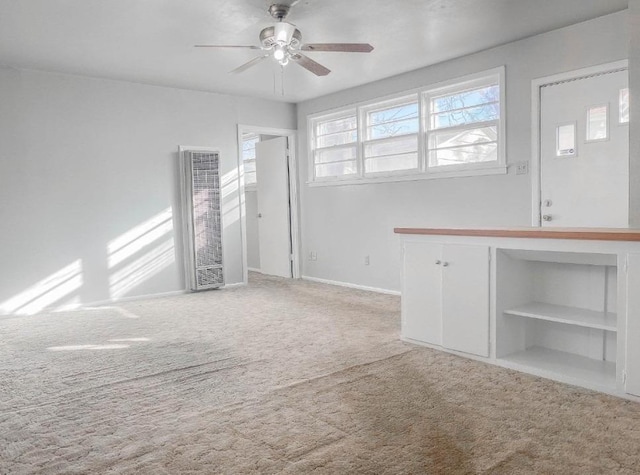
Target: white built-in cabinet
(565, 309)
(446, 296)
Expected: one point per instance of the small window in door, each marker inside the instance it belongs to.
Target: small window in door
(623, 105)
(598, 123)
(566, 140)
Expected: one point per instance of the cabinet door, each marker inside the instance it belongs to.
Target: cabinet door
(633, 326)
(465, 299)
(422, 292)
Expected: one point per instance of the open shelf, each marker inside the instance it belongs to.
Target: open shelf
(569, 315)
(564, 366)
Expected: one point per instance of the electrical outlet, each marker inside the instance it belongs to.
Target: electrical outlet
(310, 255)
(366, 260)
(314, 256)
(522, 168)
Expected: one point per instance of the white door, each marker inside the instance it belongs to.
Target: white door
(274, 229)
(465, 299)
(422, 292)
(584, 150)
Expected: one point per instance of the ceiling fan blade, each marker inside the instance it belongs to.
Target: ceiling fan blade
(309, 64)
(248, 64)
(339, 47)
(227, 46)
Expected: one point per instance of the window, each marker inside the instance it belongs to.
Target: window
(335, 146)
(454, 129)
(597, 123)
(249, 142)
(391, 136)
(624, 106)
(566, 140)
(463, 125)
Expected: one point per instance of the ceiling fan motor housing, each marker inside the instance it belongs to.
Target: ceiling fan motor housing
(279, 12)
(269, 40)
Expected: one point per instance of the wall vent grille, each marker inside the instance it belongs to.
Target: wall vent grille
(202, 211)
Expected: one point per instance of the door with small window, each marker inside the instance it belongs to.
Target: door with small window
(584, 147)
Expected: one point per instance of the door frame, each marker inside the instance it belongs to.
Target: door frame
(536, 120)
(294, 220)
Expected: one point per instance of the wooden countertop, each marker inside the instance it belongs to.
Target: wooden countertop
(589, 234)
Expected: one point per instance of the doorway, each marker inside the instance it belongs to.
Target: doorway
(269, 204)
(580, 167)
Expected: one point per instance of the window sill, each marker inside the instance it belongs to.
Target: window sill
(495, 170)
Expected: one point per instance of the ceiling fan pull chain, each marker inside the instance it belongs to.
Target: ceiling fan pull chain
(282, 79)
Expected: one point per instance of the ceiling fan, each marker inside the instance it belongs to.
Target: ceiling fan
(283, 42)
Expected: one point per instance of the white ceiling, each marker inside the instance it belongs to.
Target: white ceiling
(151, 41)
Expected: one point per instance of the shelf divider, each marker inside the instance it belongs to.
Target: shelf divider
(568, 315)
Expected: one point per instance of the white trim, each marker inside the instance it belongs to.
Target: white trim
(293, 192)
(135, 298)
(500, 170)
(234, 285)
(351, 286)
(536, 87)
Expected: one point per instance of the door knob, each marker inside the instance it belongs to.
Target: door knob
(445, 264)
(259, 215)
(438, 262)
(547, 203)
(546, 217)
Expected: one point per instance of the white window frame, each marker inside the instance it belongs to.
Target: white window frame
(492, 76)
(249, 186)
(620, 121)
(364, 110)
(312, 122)
(458, 87)
(587, 130)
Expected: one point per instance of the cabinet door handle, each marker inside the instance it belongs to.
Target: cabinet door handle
(445, 264)
(438, 263)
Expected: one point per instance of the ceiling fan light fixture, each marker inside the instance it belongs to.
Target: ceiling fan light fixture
(283, 32)
(279, 53)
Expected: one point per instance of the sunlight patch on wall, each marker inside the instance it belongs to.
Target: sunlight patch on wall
(142, 269)
(137, 238)
(47, 292)
(230, 198)
(140, 253)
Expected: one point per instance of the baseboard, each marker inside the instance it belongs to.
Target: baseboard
(235, 284)
(351, 286)
(252, 269)
(134, 298)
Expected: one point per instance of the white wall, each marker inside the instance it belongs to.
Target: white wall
(84, 161)
(253, 238)
(634, 123)
(345, 223)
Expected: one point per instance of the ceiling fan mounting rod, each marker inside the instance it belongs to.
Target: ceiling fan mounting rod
(278, 11)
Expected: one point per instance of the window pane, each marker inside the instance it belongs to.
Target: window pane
(392, 129)
(391, 163)
(392, 147)
(597, 123)
(566, 140)
(466, 116)
(250, 166)
(462, 155)
(335, 154)
(340, 138)
(461, 100)
(249, 147)
(457, 138)
(336, 169)
(250, 178)
(624, 105)
(336, 125)
(406, 111)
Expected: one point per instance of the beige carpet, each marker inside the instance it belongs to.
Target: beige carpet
(282, 377)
